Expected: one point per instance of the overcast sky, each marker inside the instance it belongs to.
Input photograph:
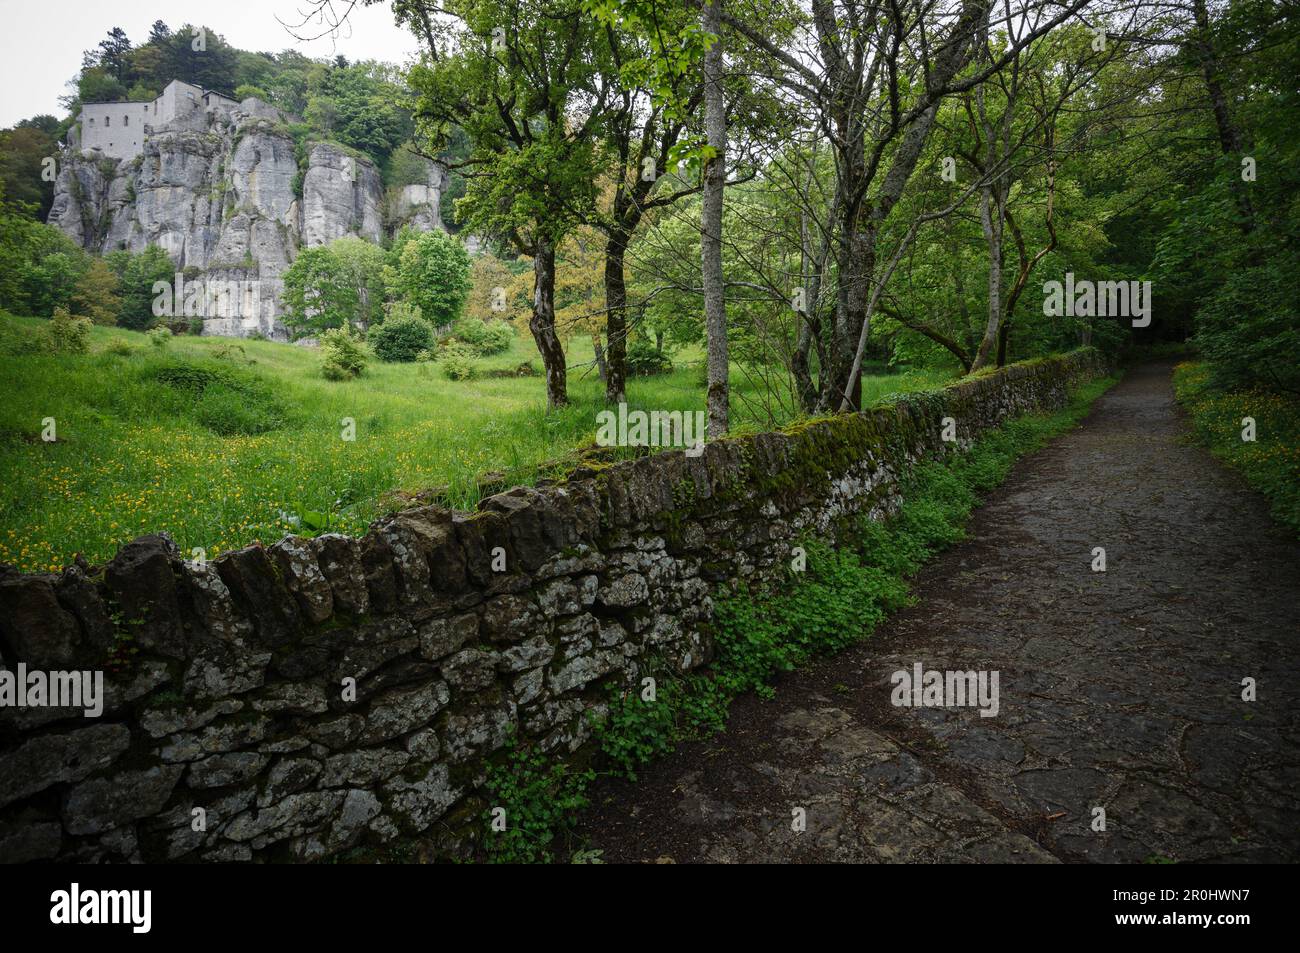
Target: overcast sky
(41, 41)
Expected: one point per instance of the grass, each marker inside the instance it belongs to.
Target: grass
(1271, 462)
(222, 442)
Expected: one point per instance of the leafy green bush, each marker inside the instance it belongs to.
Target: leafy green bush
(457, 362)
(431, 270)
(68, 335)
(121, 347)
(644, 359)
(1248, 329)
(160, 337)
(342, 356)
(229, 412)
(225, 399)
(400, 338)
(539, 797)
(484, 337)
(334, 285)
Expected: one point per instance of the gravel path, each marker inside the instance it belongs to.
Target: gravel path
(1119, 690)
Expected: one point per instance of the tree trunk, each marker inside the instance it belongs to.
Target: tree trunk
(615, 319)
(853, 268)
(801, 367)
(542, 324)
(812, 267)
(1229, 137)
(715, 309)
(991, 222)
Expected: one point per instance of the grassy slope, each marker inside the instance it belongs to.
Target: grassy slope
(132, 455)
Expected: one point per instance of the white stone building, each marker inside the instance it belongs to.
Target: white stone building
(118, 129)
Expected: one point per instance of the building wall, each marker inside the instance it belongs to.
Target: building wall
(177, 100)
(116, 129)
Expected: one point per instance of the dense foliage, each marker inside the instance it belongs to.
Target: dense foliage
(431, 271)
(401, 338)
(336, 285)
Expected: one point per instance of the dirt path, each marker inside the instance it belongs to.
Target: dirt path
(1119, 690)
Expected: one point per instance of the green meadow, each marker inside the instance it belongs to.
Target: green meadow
(221, 442)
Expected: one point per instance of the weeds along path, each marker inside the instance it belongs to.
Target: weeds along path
(1118, 690)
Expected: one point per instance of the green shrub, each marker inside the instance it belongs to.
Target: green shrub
(342, 356)
(68, 335)
(457, 362)
(191, 378)
(485, 337)
(232, 352)
(121, 347)
(229, 412)
(431, 270)
(540, 797)
(644, 359)
(160, 336)
(225, 399)
(1270, 462)
(401, 338)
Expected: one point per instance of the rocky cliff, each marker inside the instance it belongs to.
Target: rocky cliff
(233, 198)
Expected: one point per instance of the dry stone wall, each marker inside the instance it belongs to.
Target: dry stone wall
(224, 696)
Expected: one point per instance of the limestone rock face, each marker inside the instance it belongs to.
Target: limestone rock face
(341, 195)
(417, 205)
(228, 200)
